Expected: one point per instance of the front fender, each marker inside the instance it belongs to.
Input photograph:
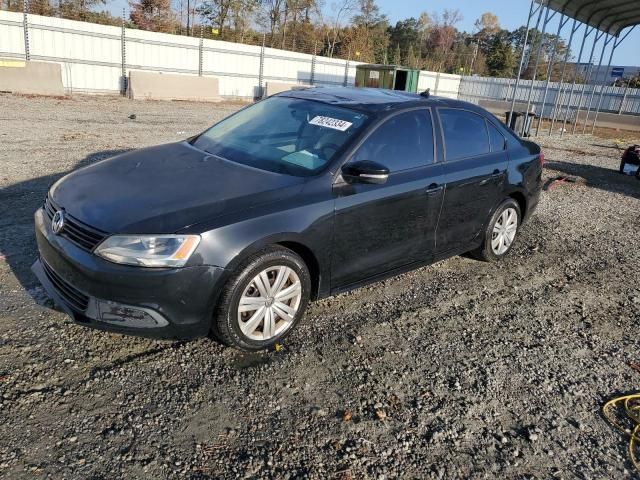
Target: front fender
(310, 226)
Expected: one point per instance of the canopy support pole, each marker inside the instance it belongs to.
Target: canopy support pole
(616, 44)
(607, 41)
(532, 12)
(547, 19)
(596, 39)
(561, 88)
(561, 25)
(587, 31)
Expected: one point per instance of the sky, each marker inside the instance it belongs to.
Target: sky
(511, 13)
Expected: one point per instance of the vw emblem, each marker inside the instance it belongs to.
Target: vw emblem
(58, 221)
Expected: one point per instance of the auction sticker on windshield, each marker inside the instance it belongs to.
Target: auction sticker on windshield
(329, 122)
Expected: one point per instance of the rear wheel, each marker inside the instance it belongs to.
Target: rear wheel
(501, 232)
(264, 301)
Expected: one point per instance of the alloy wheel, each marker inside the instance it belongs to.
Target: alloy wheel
(269, 304)
(504, 231)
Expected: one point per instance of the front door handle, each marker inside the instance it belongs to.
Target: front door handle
(434, 188)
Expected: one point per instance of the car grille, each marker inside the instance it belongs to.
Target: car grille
(72, 296)
(79, 233)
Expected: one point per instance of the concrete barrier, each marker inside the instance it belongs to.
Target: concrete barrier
(610, 120)
(277, 87)
(170, 86)
(34, 78)
(605, 120)
(498, 107)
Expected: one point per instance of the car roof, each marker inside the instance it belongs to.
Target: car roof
(371, 100)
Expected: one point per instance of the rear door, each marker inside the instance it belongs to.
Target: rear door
(476, 164)
(379, 228)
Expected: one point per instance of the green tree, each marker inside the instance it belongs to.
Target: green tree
(405, 33)
(216, 12)
(154, 15)
(412, 60)
(396, 59)
(371, 37)
(501, 60)
(78, 9)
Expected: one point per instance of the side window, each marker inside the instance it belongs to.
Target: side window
(465, 134)
(498, 142)
(402, 142)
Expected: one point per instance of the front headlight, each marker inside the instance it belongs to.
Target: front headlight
(149, 250)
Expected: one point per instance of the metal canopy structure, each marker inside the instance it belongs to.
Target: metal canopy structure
(609, 16)
(603, 23)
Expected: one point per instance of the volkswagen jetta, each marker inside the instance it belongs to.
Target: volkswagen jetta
(297, 197)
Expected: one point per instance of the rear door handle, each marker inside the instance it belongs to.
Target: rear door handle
(496, 174)
(434, 188)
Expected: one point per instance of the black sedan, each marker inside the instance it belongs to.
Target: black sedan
(295, 198)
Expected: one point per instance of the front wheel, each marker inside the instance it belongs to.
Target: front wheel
(263, 301)
(501, 232)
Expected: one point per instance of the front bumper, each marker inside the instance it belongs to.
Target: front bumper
(160, 303)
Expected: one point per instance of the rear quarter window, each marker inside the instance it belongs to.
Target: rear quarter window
(497, 140)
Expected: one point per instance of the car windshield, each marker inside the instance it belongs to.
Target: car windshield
(283, 135)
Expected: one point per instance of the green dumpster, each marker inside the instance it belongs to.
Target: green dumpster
(392, 77)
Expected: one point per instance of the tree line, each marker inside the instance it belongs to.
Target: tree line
(353, 29)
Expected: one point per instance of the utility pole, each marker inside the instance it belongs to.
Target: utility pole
(473, 60)
(188, 18)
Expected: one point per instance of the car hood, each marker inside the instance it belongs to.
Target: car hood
(166, 188)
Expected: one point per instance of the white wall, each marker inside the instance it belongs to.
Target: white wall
(441, 84)
(91, 58)
(614, 99)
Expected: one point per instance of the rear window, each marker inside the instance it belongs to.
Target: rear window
(284, 135)
(465, 134)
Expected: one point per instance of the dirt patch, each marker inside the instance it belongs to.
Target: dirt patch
(458, 370)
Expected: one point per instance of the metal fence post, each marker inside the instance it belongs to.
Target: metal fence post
(346, 69)
(25, 26)
(261, 71)
(313, 64)
(200, 46)
(123, 45)
(624, 97)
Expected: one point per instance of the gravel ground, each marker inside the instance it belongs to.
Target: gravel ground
(458, 370)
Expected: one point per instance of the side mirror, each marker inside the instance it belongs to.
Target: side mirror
(365, 171)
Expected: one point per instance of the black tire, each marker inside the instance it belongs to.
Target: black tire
(485, 251)
(225, 325)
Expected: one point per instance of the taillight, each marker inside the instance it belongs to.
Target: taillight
(541, 158)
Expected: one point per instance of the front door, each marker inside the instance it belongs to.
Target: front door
(379, 228)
